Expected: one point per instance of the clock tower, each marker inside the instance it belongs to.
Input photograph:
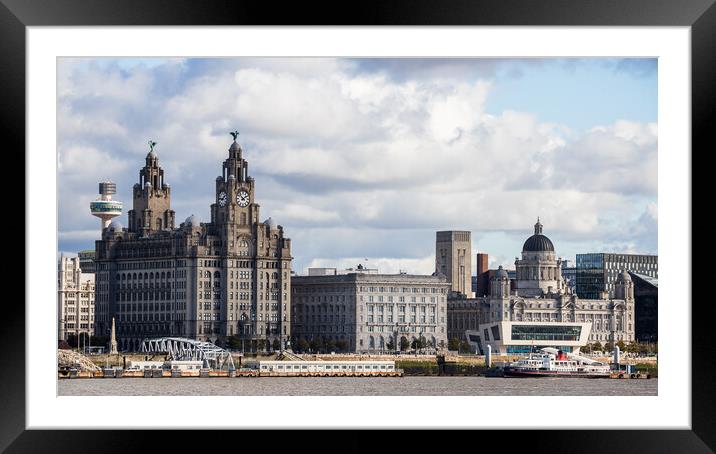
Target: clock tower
(234, 211)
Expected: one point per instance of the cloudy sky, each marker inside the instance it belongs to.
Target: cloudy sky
(366, 158)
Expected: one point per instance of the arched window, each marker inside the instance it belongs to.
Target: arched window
(217, 275)
(371, 342)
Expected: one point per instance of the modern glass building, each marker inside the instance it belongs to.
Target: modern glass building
(597, 272)
(509, 337)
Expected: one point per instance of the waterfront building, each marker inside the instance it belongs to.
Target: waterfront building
(646, 307)
(453, 251)
(87, 260)
(538, 297)
(569, 274)
(370, 312)
(75, 299)
(597, 273)
(207, 281)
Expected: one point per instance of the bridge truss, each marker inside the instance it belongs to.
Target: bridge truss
(183, 349)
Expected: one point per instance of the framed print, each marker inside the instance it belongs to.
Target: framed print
(327, 271)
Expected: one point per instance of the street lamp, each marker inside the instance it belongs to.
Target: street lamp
(395, 340)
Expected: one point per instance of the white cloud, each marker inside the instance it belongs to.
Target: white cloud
(351, 162)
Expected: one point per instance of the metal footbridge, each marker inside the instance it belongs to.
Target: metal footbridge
(183, 349)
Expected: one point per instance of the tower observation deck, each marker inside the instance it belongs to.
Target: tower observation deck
(104, 207)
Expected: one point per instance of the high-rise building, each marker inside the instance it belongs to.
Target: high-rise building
(453, 259)
(569, 274)
(597, 273)
(75, 299)
(370, 312)
(87, 260)
(212, 280)
(646, 312)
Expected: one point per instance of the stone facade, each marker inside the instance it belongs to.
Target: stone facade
(453, 259)
(75, 299)
(539, 294)
(368, 310)
(207, 281)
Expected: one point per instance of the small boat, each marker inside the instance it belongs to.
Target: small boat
(551, 362)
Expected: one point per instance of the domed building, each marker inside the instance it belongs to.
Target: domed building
(539, 271)
(225, 279)
(537, 309)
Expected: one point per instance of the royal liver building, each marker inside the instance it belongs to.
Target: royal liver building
(203, 280)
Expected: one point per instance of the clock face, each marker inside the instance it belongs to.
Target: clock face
(222, 199)
(242, 198)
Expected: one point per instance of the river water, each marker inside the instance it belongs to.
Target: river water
(356, 386)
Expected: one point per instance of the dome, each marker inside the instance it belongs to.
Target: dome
(538, 242)
(232, 177)
(270, 223)
(624, 275)
(235, 147)
(151, 155)
(192, 221)
(501, 273)
(116, 226)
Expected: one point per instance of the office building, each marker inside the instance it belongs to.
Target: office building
(453, 252)
(75, 299)
(228, 277)
(597, 273)
(370, 312)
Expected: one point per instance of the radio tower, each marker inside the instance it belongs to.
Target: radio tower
(104, 207)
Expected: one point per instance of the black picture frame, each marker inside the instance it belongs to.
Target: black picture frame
(700, 15)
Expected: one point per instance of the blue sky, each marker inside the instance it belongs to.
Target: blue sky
(367, 158)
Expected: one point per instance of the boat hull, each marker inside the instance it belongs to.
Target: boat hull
(552, 373)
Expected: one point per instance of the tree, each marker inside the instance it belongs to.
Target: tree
(422, 342)
(262, 344)
(342, 345)
(390, 345)
(414, 344)
(454, 344)
(317, 344)
(608, 347)
(464, 347)
(404, 344)
(330, 345)
(303, 345)
(276, 344)
(233, 342)
(597, 346)
(622, 346)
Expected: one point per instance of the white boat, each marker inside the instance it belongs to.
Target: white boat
(551, 362)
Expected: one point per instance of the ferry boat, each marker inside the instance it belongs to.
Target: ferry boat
(551, 362)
